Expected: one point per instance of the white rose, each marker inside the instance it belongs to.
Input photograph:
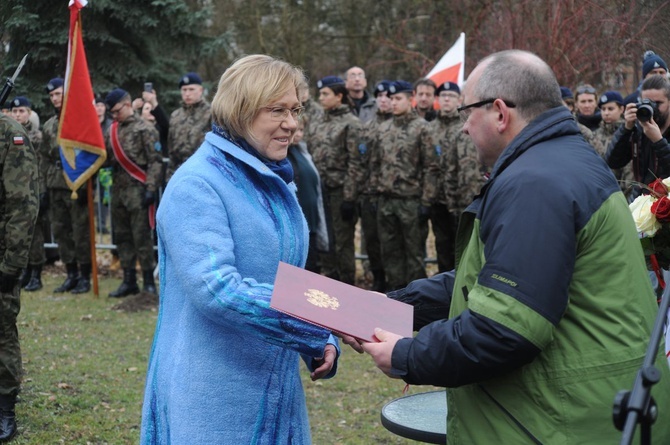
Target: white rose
(645, 221)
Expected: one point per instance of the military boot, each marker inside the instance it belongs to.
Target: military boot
(71, 280)
(7, 418)
(149, 284)
(84, 280)
(128, 285)
(35, 282)
(24, 278)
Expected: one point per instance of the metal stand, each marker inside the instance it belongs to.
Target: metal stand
(637, 406)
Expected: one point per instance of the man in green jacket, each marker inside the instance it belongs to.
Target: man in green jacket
(550, 310)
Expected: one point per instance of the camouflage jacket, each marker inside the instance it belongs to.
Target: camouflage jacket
(314, 115)
(336, 142)
(464, 175)
(19, 191)
(35, 136)
(442, 129)
(50, 161)
(370, 132)
(401, 157)
(139, 140)
(591, 139)
(188, 127)
(604, 134)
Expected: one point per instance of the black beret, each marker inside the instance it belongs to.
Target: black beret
(400, 86)
(382, 86)
(190, 79)
(448, 86)
(114, 96)
(328, 81)
(54, 84)
(21, 101)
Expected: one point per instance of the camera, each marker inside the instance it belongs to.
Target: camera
(148, 87)
(645, 110)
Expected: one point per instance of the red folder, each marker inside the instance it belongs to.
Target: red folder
(338, 306)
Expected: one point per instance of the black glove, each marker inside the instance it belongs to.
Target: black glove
(424, 214)
(7, 282)
(347, 210)
(149, 198)
(44, 202)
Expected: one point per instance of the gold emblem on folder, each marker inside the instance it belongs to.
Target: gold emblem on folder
(322, 299)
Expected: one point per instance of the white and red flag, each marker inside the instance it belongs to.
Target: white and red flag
(451, 66)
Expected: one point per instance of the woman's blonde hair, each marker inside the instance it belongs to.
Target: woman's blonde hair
(249, 84)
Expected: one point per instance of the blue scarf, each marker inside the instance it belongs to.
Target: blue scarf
(282, 168)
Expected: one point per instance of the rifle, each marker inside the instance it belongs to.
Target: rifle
(9, 84)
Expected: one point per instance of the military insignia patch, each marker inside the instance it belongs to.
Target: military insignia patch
(18, 140)
(362, 149)
(438, 150)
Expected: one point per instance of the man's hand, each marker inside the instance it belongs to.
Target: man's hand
(325, 364)
(381, 352)
(630, 116)
(651, 130)
(137, 104)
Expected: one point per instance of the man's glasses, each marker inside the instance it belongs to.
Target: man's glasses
(280, 114)
(465, 111)
(356, 75)
(114, 112)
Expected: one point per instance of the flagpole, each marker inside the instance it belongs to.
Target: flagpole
(91, 231)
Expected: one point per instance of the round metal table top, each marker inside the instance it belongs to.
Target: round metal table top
(421, 417)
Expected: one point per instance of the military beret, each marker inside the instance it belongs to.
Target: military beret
(566, 93)
(448, 86)
(652, 61)
(54, 84)
(400, 86)
(328, 81)
(190, 79)
(610, 96)
(6, 106)
(114, 96)
(382, 86)
(21, 101)
(99, 99)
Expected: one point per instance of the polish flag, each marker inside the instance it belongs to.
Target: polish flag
(451, 66)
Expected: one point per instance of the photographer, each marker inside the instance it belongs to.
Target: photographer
(642, 137)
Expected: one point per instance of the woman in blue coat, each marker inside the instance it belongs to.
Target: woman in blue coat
(224, 366)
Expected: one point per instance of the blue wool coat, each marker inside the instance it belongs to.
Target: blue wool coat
(224, 366)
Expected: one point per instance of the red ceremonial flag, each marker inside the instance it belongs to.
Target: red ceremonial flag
(451, 66)
(82, 146)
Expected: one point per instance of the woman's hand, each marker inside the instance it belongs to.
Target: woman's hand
(325, 364)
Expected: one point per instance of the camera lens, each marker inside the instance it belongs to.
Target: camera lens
(644, 113)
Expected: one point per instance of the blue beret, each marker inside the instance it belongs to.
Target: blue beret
(610, 96)
(21, 101)
(382, 86)
(652, 61)
(400, 86)
(190, 79)
(328, 81)
(566, 93)
(54, 84)
(448, 86)
(114, 96)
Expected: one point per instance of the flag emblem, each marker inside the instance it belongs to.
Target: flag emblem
(18, 140)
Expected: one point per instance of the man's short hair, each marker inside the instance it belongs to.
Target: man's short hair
(522, 78)
(425, 81)
(657, 82)
(249, 84)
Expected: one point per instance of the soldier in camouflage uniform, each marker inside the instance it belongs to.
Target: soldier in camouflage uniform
(464, 174)
(313, 113)
(611, 109)
(400, 160)
(19, 192)
(445, 127)
(31, 277)
(188, 124)
(132, 199)
(335, 150)
(368, 198)
(69, 218)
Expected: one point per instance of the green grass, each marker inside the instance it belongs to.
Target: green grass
(85, 367)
